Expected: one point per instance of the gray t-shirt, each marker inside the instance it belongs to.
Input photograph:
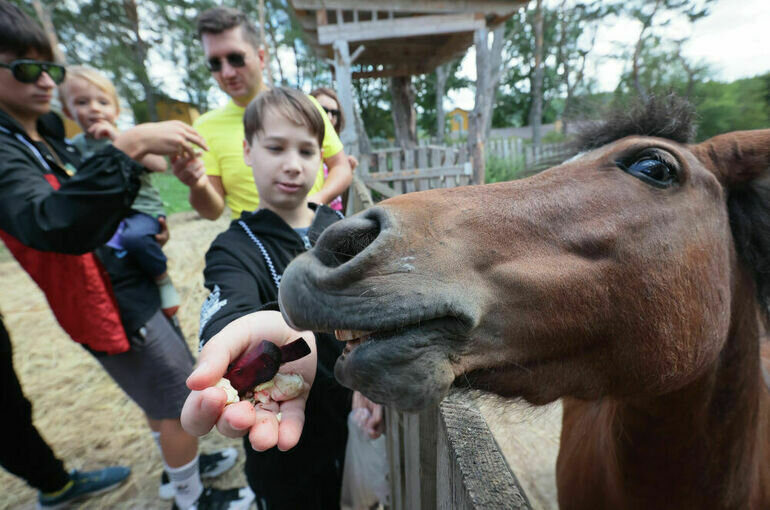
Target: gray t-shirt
(148, 200)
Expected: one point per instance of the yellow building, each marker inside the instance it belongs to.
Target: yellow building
(458, 122)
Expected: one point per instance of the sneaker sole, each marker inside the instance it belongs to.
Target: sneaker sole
(67, 503)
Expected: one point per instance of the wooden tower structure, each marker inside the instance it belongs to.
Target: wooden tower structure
(393, 37)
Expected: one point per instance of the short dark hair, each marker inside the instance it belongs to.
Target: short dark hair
(289, 103)
(19, 33)
(218, 19)
(326, 91)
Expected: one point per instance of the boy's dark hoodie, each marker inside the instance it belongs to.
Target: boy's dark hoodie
(243, 268)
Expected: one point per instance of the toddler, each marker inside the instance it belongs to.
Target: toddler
(90, 99)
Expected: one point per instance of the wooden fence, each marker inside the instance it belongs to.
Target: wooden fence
(446, 458)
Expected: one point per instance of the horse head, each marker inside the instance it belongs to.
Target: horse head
(618, 273)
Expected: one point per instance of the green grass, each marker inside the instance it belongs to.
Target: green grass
(174, 193)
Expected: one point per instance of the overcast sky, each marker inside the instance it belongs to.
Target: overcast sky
(734, 39)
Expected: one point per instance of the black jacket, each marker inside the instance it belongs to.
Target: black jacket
(84, 213)
(79, 217)
(241, 281)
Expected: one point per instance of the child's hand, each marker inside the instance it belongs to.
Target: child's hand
(164, 235)
(102, 129)
(188, 170)
(373, 425)
(205, 406)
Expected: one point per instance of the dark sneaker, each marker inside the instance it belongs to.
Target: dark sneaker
(210, 465)
(84, 484)
(223, 499)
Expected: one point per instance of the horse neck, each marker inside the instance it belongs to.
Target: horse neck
(711, 435)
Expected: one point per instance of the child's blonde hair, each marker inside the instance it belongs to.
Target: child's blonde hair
(93, 77)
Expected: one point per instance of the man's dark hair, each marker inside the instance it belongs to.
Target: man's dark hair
(291, 104)
(218, 19)
(20, 34)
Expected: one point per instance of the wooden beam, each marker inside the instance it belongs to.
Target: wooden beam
(402, 70)
(400, 27)
(497, 7)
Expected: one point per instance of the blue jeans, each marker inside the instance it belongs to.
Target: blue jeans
(137, 238)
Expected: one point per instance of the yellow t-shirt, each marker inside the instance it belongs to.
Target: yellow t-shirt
(223, 131)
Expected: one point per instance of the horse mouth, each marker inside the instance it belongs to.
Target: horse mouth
(409, 367)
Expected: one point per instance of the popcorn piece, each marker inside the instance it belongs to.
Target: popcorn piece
(232, 394)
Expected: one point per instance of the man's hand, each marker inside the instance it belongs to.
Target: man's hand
(188, 170)
(205, 406)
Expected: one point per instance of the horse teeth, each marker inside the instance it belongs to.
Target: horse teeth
(349, 334)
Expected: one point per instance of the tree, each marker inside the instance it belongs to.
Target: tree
(649, 14)
(488, 70)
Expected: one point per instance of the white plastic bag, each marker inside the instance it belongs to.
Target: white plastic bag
(364, 480)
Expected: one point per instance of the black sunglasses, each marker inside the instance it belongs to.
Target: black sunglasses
(29, 71)
(234, 59)
(331, 111)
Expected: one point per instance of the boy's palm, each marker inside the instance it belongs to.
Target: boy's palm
(205, 406)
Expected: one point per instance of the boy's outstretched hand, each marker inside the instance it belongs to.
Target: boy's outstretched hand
(205, 406)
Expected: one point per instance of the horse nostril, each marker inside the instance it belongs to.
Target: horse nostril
(346, 239)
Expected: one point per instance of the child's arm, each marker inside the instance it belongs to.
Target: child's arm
(154, 163)
(205, 406)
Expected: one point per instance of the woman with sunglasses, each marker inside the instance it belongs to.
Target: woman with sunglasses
(55, 209)
(330, 103)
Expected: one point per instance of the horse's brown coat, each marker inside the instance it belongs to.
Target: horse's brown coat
(630, 301)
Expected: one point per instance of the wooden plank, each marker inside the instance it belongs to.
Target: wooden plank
(412, 460)
(497, 7)
(395, 453)
(422, 162)
(321, 18)
(383, 189)
(400, 27)
(422, 173)
(428, 456)
(478, 476)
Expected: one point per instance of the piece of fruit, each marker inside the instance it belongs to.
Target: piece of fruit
(260, 364)
(294, 350)
(255, 366)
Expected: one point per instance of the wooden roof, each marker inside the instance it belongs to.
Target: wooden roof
(400, 37)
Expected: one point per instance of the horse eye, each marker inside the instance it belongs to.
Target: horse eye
(652, 169)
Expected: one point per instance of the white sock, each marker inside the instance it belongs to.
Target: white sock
(187, 483)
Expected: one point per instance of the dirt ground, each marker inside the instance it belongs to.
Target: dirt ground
(91, 424)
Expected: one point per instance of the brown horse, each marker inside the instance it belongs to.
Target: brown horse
(626, 281)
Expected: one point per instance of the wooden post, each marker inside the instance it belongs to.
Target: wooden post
(343, 76)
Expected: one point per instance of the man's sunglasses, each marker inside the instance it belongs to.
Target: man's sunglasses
(234, 59)
(29, 71)
(331, 111)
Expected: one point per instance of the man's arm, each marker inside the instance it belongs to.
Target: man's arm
(207, 195)
(77, 218)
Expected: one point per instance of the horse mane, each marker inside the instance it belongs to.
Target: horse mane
(749, 210)
(670, 117)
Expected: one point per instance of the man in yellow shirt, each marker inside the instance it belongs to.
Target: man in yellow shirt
(221, 177)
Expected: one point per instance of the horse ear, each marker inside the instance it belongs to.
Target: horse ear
(737, 158)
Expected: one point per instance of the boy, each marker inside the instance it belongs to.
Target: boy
(90, 99)
(50, 220)
(284, 133)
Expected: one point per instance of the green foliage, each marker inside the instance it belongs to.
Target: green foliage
(724, 107)
(174, 193)
(501, 170)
